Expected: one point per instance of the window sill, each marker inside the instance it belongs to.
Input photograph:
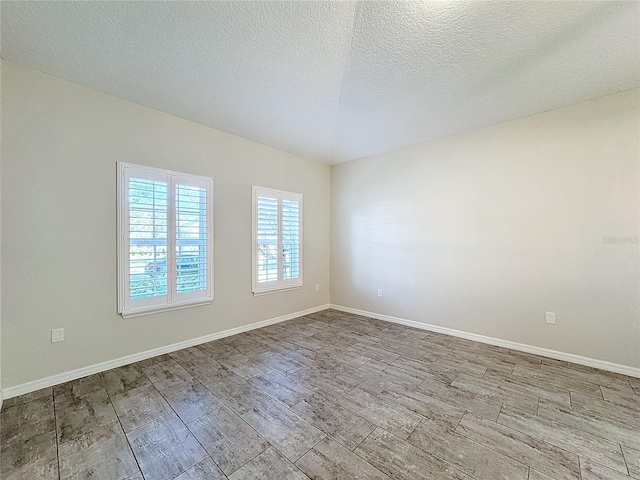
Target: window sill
(277, 290)
(164, 308)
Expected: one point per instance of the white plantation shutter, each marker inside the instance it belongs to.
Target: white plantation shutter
(267, 239)
(277, 240)
(192, 264)
(165, 240)
(290, 239)
(146, 221)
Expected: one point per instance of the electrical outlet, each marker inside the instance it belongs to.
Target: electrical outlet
(57, 335)
(317, 287)
(380, 292)
(550, 318)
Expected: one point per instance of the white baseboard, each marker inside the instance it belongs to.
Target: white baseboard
(568, 357)
(136, 357)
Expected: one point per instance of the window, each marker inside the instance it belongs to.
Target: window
(277, 240)
(165, 240)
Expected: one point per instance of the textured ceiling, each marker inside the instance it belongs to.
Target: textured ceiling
(334, 81)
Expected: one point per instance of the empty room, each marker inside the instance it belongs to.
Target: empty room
(349, 240)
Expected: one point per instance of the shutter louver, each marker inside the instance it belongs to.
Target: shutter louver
(191, 238)
(267, 238)
(290, 240)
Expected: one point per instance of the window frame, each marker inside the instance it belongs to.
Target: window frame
(173, 300)
(279, 285)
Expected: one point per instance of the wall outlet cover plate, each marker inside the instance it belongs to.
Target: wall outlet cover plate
(550, 318)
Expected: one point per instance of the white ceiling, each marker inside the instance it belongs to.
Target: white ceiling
(334, 81)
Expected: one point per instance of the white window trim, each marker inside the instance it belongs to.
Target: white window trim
(174, 300)
(278, 285)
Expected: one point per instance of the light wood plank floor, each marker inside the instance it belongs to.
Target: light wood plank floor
(330, 396)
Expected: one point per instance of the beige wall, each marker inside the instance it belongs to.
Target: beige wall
(485, 231)
(60, 144)
(481, 232)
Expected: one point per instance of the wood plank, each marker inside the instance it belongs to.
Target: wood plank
(530, 386)
(632, 457)
(464, 399)
(165, 448)
(625, 397)
(614, 412)
(429, 407)
(289, 433)
(338, 422)
(227, 438)
(599, 377)
(542, 456)
(205, 470)
(553, 379)
(576, 441)
(281, 387)
(329, 460)
(102, 453)
(402, 460)
(497, 393)
(270, 464)
(394, 419)
(585, 421)
(594, 471)
(469, 456)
